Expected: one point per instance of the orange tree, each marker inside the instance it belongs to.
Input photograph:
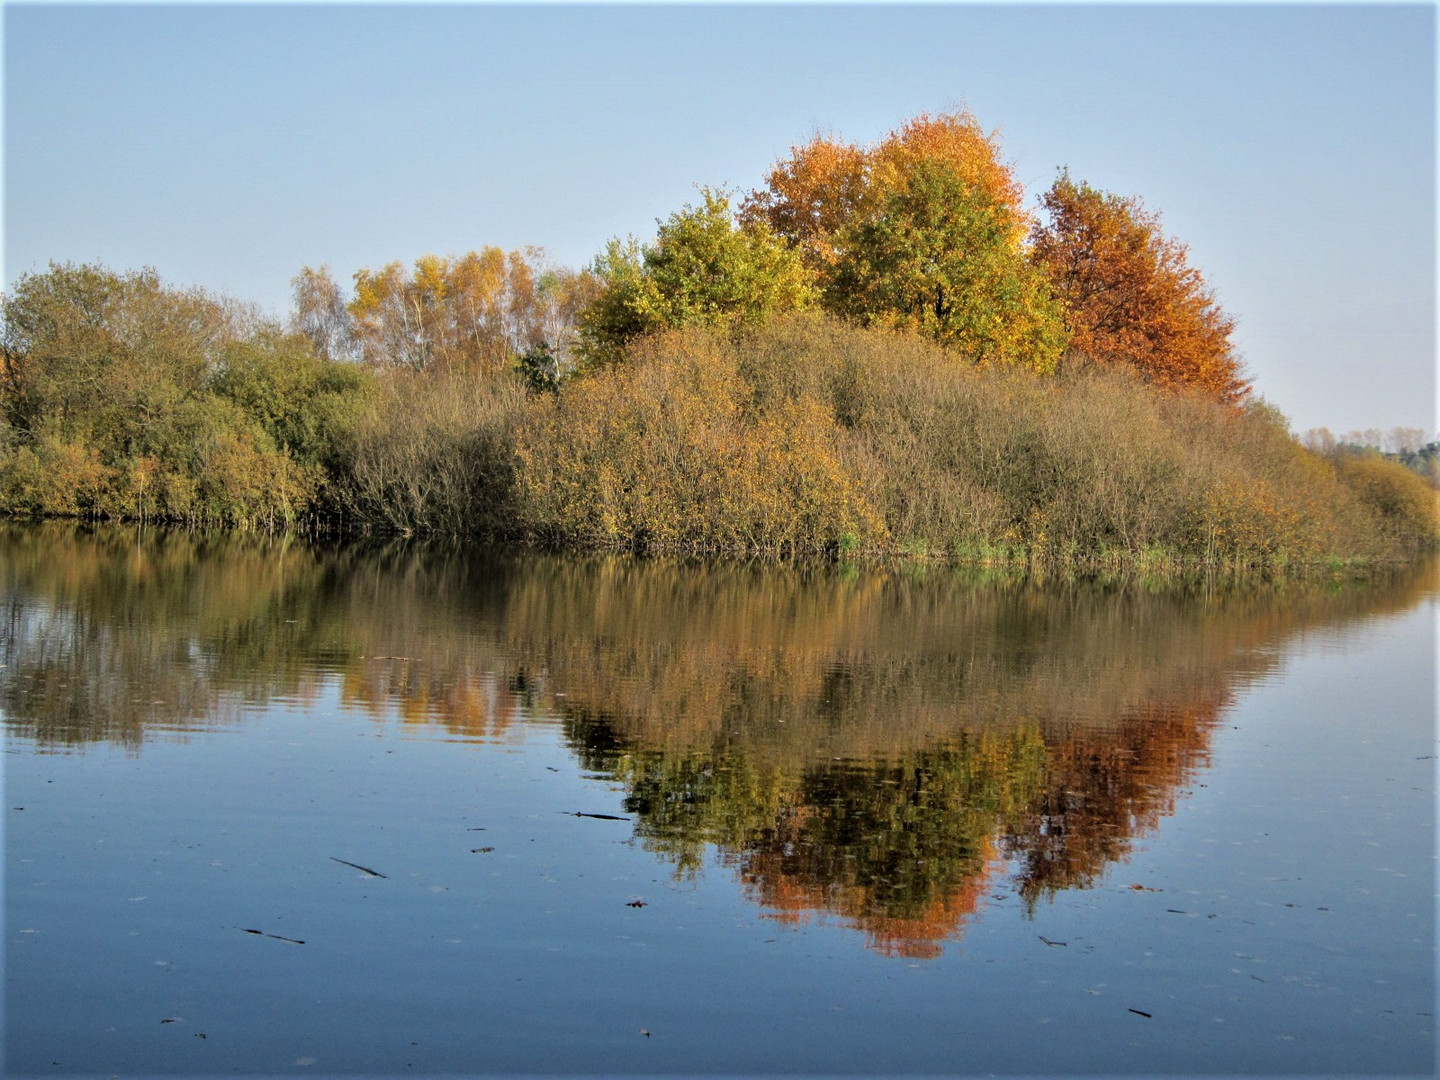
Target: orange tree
(1130, 295)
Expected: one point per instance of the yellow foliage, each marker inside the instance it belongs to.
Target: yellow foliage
(669, 452)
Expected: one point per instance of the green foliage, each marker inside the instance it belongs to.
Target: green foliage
(124, 398)
(939, 258)
(539, 367)
(702, 270)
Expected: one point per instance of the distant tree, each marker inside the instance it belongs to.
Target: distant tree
(478, 312)
(702, 270)
(320, 313)
(1130, 294)
(561, 296)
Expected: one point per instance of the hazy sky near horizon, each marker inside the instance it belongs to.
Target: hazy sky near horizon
(1293, 147)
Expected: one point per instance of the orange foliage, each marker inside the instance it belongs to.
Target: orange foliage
(810, 196)
(1132, 296)
(826, 186)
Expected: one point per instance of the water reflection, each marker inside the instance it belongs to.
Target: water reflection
(873, 749)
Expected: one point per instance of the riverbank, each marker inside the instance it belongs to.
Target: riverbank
(803, 437)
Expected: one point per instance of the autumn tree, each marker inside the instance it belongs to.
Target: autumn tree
(1130, 294)
(477, 312)
(320, 313)
(704, 269)
(937, 257)
(925, 230)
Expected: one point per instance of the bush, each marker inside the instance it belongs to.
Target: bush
(433, 453)
(1398, 500)
(676, 449)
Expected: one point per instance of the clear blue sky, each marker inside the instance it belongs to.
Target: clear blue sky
(1292, 147)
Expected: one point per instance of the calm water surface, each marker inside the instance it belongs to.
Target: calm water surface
(281, 808)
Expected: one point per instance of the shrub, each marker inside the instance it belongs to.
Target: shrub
(432, 453)
(676, 450)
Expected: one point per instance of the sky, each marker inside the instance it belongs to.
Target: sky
(1292, 147)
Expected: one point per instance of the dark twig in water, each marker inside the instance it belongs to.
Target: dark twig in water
(357, 866)
(602, 817)
(262, 933)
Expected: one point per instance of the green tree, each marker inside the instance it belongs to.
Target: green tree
(938, 257)
(125, 398)
(702, 270)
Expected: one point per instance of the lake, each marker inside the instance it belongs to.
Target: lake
(282, 807)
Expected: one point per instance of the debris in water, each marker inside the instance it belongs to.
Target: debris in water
(357, 866)
(602, 817)
(1145, 888)
(480, 850)
(645, 1032)
(1137, 1012)
(1047, 941)
(262, 933)
(637, 902)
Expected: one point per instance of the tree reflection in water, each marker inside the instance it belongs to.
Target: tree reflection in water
(884, 750)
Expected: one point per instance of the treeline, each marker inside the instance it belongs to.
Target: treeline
(1404, 445)
(879, 351)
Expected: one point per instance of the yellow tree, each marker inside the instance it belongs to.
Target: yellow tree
(826, 186)
(1130, 294)
(478, 312)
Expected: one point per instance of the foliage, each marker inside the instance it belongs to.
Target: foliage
(794, 434)
(924, 230)
(671, 451)
(479, 312)
(432, 453)
(1402, 504)
(702, 270)
(1131, 296)
(125, 398)
(321, 314)
(826, 187)
(805, 434)
(937, 257)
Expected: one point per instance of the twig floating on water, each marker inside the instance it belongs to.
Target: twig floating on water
(357, 866)
(1047, 941)
(602, 817)
(262, 933)
(1137, 1012)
